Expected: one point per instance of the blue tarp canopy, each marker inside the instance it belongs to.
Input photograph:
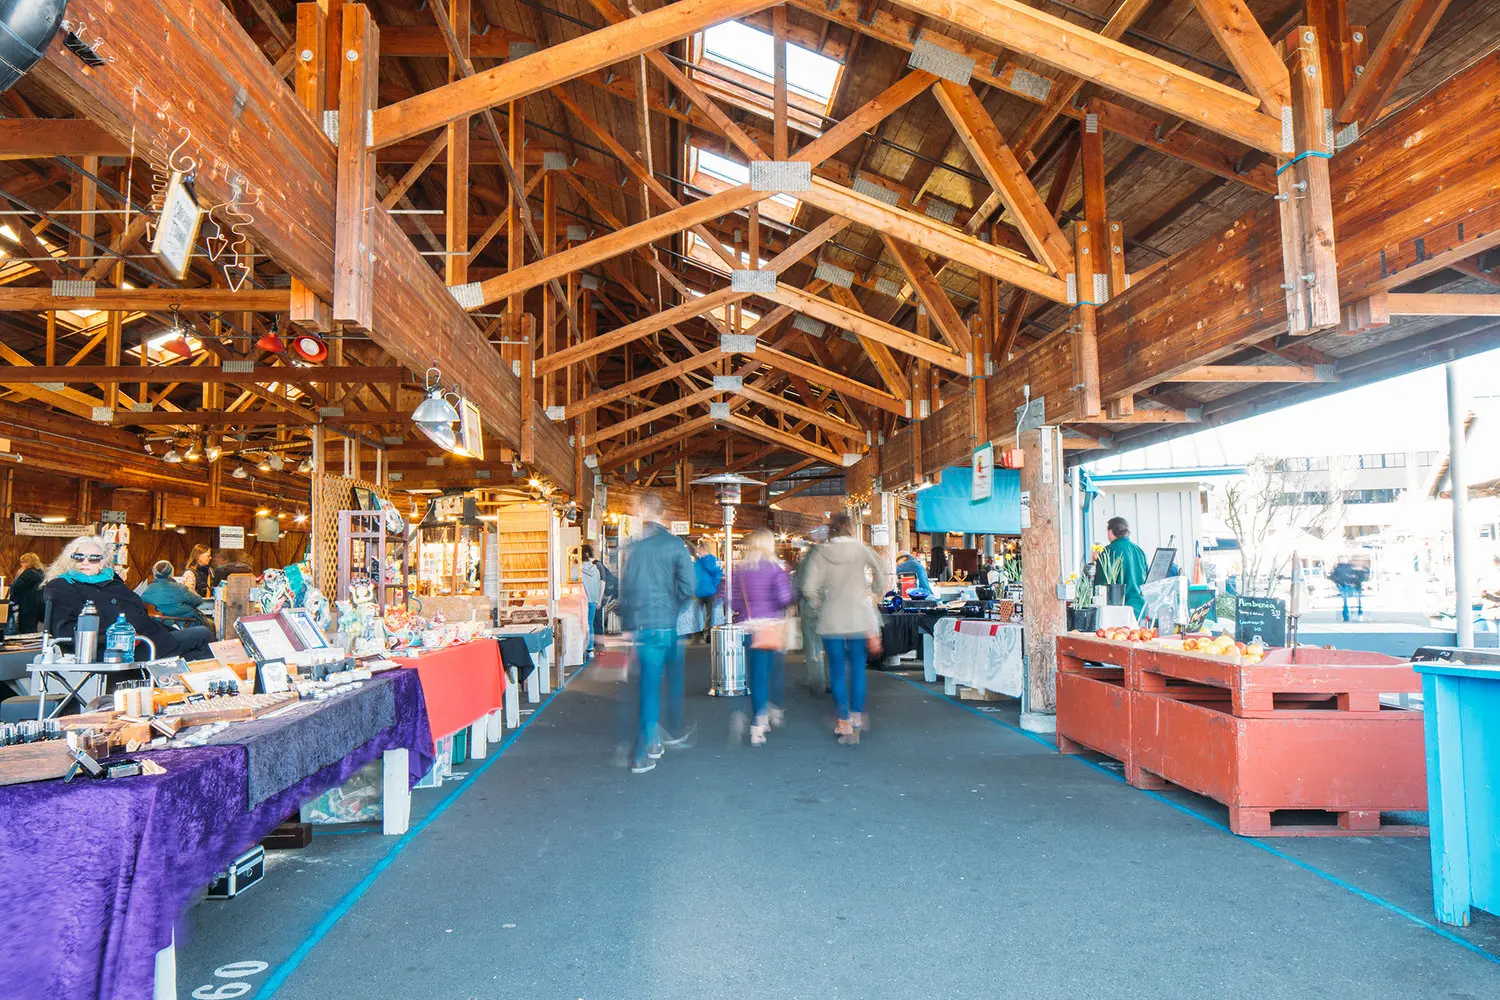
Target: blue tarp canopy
(946, 507)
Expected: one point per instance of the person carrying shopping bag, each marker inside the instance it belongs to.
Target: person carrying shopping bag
(762, 593)
(841, 585)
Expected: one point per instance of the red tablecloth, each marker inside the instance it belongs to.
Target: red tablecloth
(461, 684)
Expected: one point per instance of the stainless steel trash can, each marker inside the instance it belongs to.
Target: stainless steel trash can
(729, 671)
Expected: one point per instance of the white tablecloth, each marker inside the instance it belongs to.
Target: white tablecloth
(979, 654)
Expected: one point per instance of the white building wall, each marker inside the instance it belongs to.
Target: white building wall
(1157, 516)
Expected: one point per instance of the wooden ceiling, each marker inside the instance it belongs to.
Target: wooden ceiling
(1170, 184)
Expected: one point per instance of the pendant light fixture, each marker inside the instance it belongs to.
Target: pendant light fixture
(172, 457)
(176, 337)
(240, 472)
(271, 339)
(309, 347)
(435, 416)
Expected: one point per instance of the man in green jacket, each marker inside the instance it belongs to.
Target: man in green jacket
(1132, 560)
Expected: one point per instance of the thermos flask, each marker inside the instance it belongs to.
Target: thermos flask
(86, 634)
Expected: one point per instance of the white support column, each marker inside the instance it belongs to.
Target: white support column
(479, 739)
(164, 987)
(396, 787)
(494, 723)
(1463, 598)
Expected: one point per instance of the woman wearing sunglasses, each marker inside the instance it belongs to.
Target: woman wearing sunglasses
(85, 572)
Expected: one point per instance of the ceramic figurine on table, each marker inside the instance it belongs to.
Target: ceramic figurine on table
(275, 592)
(317, 605)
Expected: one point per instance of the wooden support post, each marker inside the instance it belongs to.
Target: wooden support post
(515, 249)
(778, 32)
(1084, 321)
(310, 79)
(1113, 238)
(1306, 197)
(549, 304)
(456, 270)
(527, 335)
(1041, 573)
(354, 239)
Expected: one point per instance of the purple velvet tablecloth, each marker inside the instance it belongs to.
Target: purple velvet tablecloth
(94, 874)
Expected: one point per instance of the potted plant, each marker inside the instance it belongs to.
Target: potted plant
(1082, 615)
(1111, 567)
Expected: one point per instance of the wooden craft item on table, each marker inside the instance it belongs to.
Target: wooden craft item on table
(42, 761)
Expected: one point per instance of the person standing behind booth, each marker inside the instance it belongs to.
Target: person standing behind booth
(656, 582)
(762, 593)
(907, 566)
(26, 594)
(593, 589)
(200, 572)
(226, 565)
(839, 586)
(709, 575)
(1132, 560)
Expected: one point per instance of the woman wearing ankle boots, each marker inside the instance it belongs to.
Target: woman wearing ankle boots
(762, 592)
(841, 585)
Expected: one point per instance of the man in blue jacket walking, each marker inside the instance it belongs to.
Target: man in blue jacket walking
(709, 574)
(657, 581)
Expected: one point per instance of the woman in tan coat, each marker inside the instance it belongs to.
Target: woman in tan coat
(841, 585)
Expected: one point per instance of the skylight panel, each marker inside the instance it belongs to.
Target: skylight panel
(752, 50)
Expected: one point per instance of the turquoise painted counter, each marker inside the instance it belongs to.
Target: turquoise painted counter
(1461, 709)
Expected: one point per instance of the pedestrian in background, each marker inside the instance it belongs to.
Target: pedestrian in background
(26, 593)
(656, 582)
(708, 576)
(762, 593)
(593, 589)
(815, 664)
(1344, 576)
(841, 584)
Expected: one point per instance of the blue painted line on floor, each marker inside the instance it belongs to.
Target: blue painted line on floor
(1329, 877)
(343, 906)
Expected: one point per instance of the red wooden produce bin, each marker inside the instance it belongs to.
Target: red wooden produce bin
(1093, 697)
(1301, 730)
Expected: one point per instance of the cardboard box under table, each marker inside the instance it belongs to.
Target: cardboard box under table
(464, 687)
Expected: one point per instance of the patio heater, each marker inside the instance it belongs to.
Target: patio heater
(727, 650)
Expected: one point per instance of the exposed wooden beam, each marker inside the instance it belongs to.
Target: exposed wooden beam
(1063, 91)
(867, 326)
(1000, 167)
(1251, 52)
(558, 360)
(148, 300)
(1404, 37)
(791, 442)
(1065, 46)
(931, 294)
(35, 138)
(553, 65)
(655, 442)
(842, 384)
(1439, 304)
(1183, 144)
(614, 430)
(1007, 265)
(186, 373)
(818, 418)
(593, 400)
(1256, 373)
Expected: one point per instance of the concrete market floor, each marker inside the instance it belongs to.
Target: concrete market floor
(948, 856)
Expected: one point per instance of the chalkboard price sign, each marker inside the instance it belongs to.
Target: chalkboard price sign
(1260, 619)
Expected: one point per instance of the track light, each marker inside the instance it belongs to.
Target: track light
(172, 456)
(271, 340)
(212, 452)
(240, 472)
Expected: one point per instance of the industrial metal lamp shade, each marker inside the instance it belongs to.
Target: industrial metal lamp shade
(440, 434)
(434, 411)
(26, 29)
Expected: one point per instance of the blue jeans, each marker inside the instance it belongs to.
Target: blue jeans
(846, 672)
(593, 612)
(658, 654)
(767, 678)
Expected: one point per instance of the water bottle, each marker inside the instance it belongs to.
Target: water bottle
(119, 642)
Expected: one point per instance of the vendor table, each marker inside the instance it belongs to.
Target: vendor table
(464, 685)
(538, 641)
(93, 874)
(1461, 705)
(980, 654)
(902, 632)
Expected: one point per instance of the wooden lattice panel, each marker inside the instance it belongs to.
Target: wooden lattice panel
(332, 494)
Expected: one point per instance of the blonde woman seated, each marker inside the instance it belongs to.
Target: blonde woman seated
(85, 572)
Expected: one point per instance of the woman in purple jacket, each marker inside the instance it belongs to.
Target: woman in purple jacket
(762, 593)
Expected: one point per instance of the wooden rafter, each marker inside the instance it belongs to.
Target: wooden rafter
(1404, 37)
